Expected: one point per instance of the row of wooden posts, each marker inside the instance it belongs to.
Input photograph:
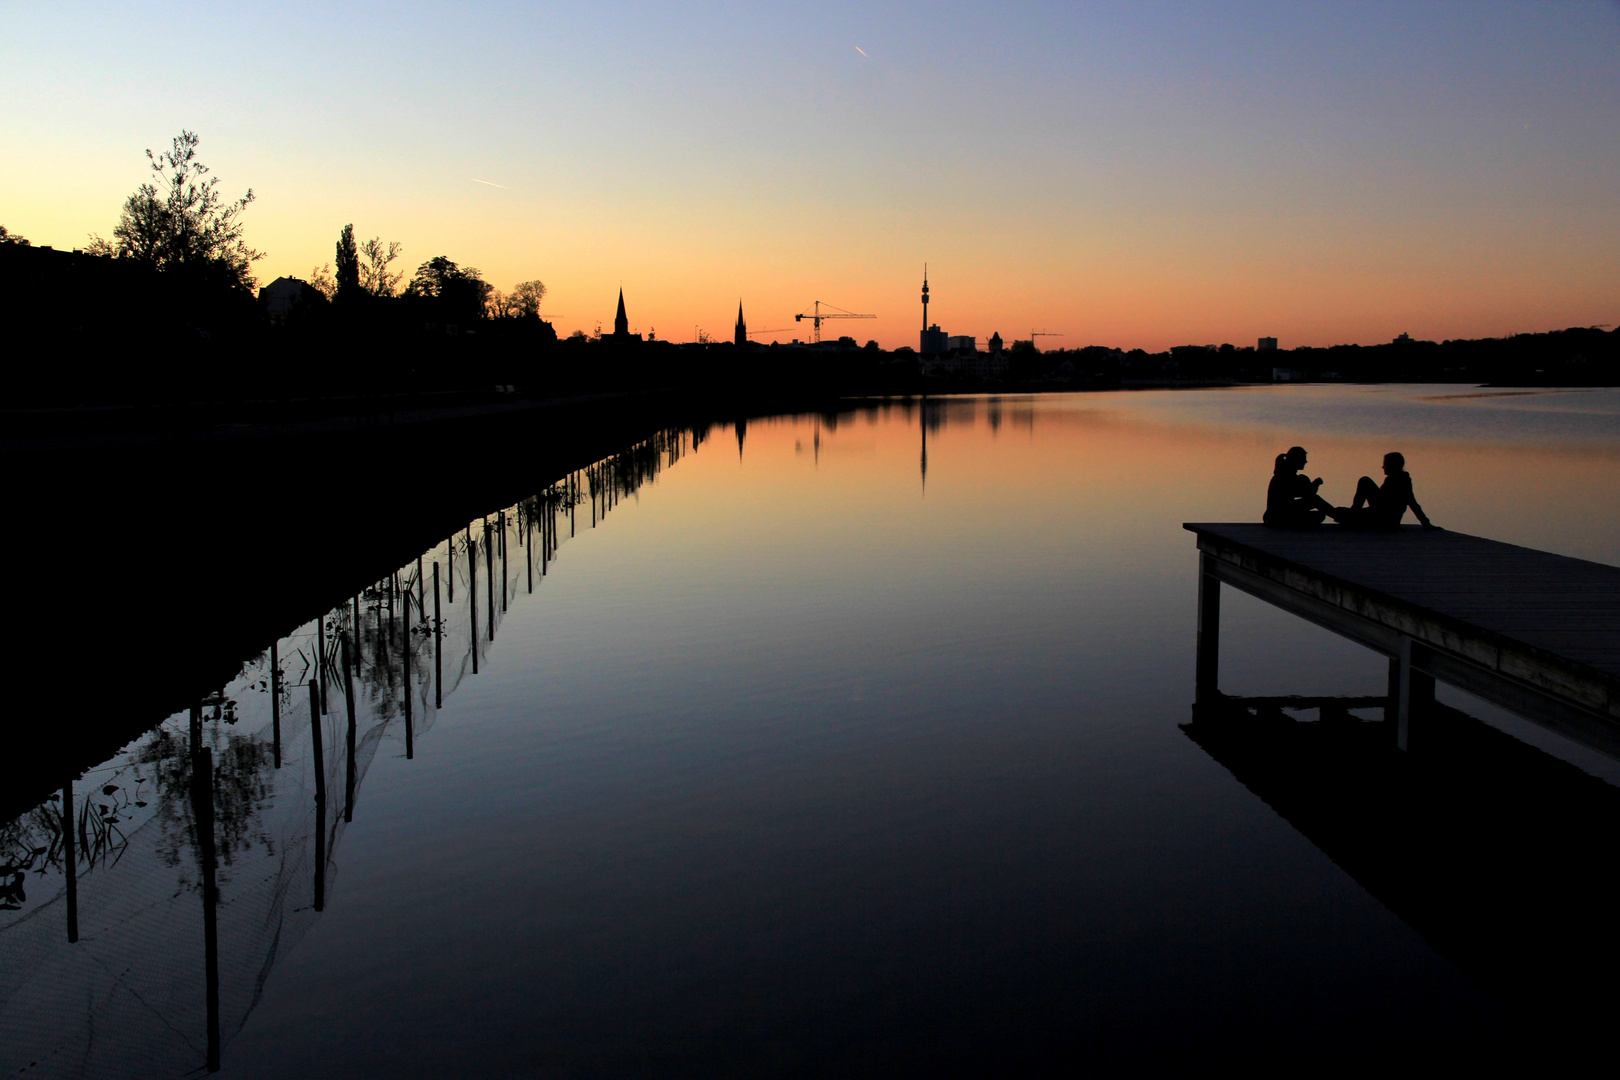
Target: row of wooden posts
(600, 482)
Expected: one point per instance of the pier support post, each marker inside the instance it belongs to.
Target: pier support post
(1414, 690)
(1207, 678)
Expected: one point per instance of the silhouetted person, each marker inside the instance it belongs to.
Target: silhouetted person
(1292, 501)
(1382, 507)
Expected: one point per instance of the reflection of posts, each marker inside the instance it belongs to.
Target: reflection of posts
(489, 579)
(1207, 669)
(348, 701)
(317, 742)
(70, 864)
(1411, 691)
(202, 800)
(405, 665)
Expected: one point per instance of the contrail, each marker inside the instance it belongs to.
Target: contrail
(475, 180)
(862, 51)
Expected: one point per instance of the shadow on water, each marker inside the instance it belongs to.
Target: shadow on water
(145, 902)
(1497, 853)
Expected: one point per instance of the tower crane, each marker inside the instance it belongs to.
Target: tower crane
(1033, 334)
(816, 314)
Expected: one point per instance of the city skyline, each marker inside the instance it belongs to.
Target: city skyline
(1166, 176)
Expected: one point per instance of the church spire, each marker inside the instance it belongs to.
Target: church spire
(742, 327)
(621, 325)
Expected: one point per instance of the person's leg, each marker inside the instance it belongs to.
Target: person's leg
(1366, 493)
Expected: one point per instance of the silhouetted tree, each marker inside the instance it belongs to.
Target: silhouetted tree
(375, 277)
(321, 279)
(348, 267)
(7, 237)
(453, 294)
(179, 220)
(526, 297)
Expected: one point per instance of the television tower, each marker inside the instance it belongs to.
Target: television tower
(925, 296)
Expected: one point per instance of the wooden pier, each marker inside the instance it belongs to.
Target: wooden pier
(1533, 632)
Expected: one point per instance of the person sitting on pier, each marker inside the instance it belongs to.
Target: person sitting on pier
(1383, 507)
(1292, 501)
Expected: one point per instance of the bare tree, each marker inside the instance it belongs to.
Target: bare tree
(375, 277)
(179, 220)
(321, 279)
(525, 298)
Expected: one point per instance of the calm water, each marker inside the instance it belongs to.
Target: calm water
(837, 744)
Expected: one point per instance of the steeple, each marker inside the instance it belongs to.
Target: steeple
(621, 325)
(742, 327)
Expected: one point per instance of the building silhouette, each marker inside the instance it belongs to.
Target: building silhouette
(933, 338)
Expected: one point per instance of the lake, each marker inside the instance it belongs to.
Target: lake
(834, 744)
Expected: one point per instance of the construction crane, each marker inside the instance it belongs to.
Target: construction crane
(815, 314)
(1033, 334)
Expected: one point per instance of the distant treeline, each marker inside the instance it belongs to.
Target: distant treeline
(1578, 356)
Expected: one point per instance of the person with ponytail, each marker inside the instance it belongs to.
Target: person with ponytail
(1292, 499)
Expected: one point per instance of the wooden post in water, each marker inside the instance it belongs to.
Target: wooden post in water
(506, 573)
(70, 863)
(450, 566)
(348, 701)
(1207, 669)
(196, 727)
(405, 667)
(320, 658)
(573, 499)
(489, 579)
(202, 801)
(472, 600)
(438, 644)
(528, 547)
(318, 743)
(275, 702)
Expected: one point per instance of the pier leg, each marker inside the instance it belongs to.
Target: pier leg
(1207, 671)
(275, 700)
(1414, 692)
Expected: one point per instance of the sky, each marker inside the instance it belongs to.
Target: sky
(1139, 175)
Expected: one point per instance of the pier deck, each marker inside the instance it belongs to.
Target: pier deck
(1534, 632)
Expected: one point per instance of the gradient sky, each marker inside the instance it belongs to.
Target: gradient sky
(1138, 175)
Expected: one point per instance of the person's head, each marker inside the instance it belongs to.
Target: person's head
(1294, 459)
(1394, 463)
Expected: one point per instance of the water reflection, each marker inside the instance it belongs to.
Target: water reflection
(143, 908)
(827, 770)
(1497, 853)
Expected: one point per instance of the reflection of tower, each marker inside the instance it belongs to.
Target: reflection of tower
(742, 429)
(922, 422)
(621, 325)
(742, 327)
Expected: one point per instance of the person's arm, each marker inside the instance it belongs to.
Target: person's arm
(1411, 500)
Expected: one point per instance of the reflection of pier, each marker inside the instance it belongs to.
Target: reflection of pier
(1533, 632)
(235, 801)
(1497, 853)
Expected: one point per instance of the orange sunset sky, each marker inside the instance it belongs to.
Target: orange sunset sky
(1138, 176)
